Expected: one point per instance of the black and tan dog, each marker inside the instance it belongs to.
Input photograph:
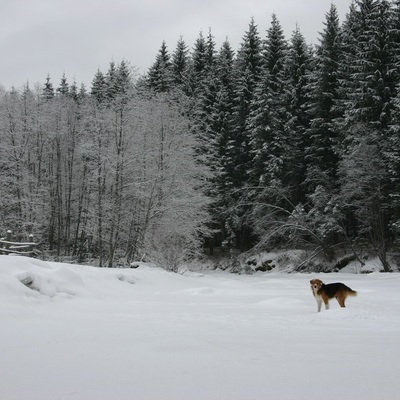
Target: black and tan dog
(323, 293)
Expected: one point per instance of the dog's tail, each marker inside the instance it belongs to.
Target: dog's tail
(351, 292)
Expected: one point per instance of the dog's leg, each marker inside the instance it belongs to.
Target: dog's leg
(325, 298)
(340, 298)
(319, 302)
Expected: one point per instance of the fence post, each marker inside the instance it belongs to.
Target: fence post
(8, 239)
(30, 248)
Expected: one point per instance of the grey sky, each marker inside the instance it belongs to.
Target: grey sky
(76, 37)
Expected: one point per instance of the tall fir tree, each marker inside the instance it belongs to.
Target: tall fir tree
(199, 61)
(180, 64)
(247, 74)
(124, 81)
(221, 131)
(63, 89)
(211, 99)
(296, 141)
(275, 51)
(99, 89)
(392, 150)
(324, 136)
(370, 84)
(160, 75)
(48, 89)
(370, 90)
(224, 65)
(111, 82)
(267, 115)
(210, 50)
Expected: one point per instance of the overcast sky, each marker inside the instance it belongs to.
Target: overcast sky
(78, 37)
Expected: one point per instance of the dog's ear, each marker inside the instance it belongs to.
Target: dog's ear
(311, 281)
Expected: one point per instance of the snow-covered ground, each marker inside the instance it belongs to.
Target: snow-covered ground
(146, 334)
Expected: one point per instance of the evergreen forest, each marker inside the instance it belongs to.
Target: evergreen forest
(276, 144)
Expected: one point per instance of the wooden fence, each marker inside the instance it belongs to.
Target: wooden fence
(7, 246)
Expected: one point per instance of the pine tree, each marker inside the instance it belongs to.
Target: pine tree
(210, 51)
(247, 73)
(48, 90)
(364, 192)
(295, 142)
(224, 65)
(275, 50)
(180, 63)
(264, 142)
(63, 89)
(396, 30)
(370, 86)
(111, 82)
(123, 82)
(324, 135)
(99, 87)
(278, 123)
(73, 91)
(267, 114)
(392, 155)
(159, 76)
(199, 61)
(392, 149)
(220, 125)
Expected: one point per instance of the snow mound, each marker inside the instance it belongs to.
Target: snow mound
(23, 276)
(125, 278)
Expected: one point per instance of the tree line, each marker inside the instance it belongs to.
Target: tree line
(111, 175)
(303, 141)
(279, 143)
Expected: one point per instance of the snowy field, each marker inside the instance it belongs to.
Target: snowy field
(146, 334)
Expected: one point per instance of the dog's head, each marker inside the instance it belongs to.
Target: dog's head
(316, 284)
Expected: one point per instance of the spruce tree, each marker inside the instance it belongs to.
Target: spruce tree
(279, 124)
(323, 150)
(199, 61)
(204, 90)
(212, 111)
(221, 129)
(295, 140)
(247, 74)
(63, 89)
(371, 82)
(210, 50)
(159, 77)
(267, 114)
(73, 91)
(123, 80)
(111, 82)
(180, 64)
(370, 86)
(99, 88)
(48, 90)
(275, 49)
(393, 165)
(224, 65)
(392, 150)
